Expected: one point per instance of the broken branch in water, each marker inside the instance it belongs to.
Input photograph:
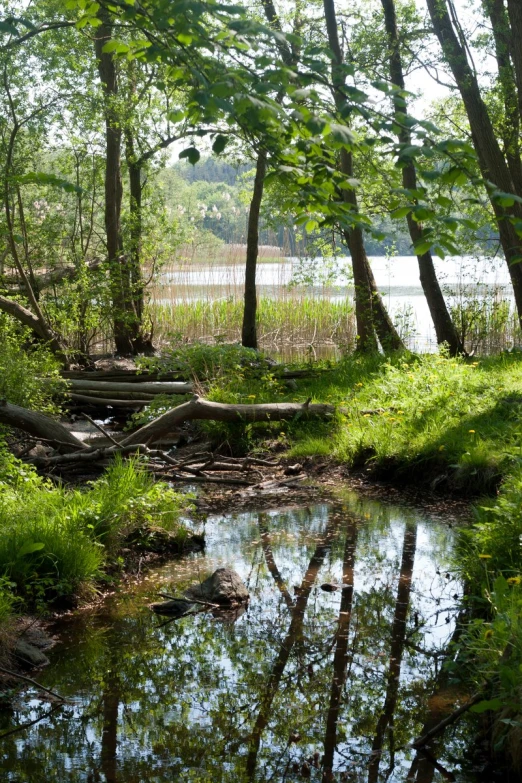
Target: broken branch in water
(17, 676)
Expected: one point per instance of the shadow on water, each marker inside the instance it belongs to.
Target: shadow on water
(326, 685)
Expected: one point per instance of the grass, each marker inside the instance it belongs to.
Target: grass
(297, 321)
(412, 418)
(56, 542)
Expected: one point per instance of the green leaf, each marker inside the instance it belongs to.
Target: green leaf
(487, 704)
(7, 26)
(311, 224)
(41, 178)
(29, 547)
(422, 247)
(220, 142)
(400, 213)
(341, 133)
(192, 155)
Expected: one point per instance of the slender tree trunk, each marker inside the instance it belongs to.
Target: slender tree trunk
(249, 329)
(340, 661)
(444, 326)
(367, 298)
(492, 163)
(126, 326)
(398, 637)
(141, 343)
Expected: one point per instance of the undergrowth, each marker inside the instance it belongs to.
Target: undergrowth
(56, 542)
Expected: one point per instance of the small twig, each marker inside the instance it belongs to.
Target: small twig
(101, 429)
(32, 682)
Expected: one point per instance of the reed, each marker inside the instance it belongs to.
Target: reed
(297, 321)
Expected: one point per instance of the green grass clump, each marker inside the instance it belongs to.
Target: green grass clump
(56, 541)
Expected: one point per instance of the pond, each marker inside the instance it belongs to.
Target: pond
(305, 684)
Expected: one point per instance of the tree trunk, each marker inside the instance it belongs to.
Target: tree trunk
(444, 326)
(249, 329)
(492, 163)
(141, 342)
(125, 321)
(340, 661)
(198, 408)
(367, 324)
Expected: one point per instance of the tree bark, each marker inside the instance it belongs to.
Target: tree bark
(125, 320)
(444, 326)
(365, 302)
(492, 163)
(249, 328)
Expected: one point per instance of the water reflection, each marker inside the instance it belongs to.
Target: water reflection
(306, 684)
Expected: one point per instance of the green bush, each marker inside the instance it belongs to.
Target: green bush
(29, 372)
(201, 361)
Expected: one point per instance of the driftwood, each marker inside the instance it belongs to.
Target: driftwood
(198, 408)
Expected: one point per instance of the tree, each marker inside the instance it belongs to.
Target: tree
(444, 326)
(500, 168)
(371, 315)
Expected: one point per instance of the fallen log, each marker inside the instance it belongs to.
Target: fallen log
(113, 403)
(198, 408)
(39, 425)
(136, 387)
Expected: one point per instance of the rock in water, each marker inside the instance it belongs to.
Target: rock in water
(223, 587)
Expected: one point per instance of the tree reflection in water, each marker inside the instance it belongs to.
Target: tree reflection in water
(304, 684)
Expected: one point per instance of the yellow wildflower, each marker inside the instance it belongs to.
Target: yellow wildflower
(472, 431)
(514, 580)
(441, 448)
(485, 557)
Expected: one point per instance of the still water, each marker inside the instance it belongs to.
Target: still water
(463, 278)
(305, 684)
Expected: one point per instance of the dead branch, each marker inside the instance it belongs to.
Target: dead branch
(39, 425)
(102, 402)
(198, 408)
(448, 721)
(157, 387)
(17, 676)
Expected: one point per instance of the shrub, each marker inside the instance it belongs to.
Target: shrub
(29, 372)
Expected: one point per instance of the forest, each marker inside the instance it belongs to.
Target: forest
(261, 390)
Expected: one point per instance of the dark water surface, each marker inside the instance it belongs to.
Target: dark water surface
(303, 677)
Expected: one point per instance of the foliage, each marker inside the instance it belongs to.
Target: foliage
(29, 373)
(56, 541)
(202, 362)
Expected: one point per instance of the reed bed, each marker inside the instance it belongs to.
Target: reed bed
(299, 322)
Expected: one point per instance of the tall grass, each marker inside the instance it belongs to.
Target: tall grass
(299, 321)
(54, 540)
